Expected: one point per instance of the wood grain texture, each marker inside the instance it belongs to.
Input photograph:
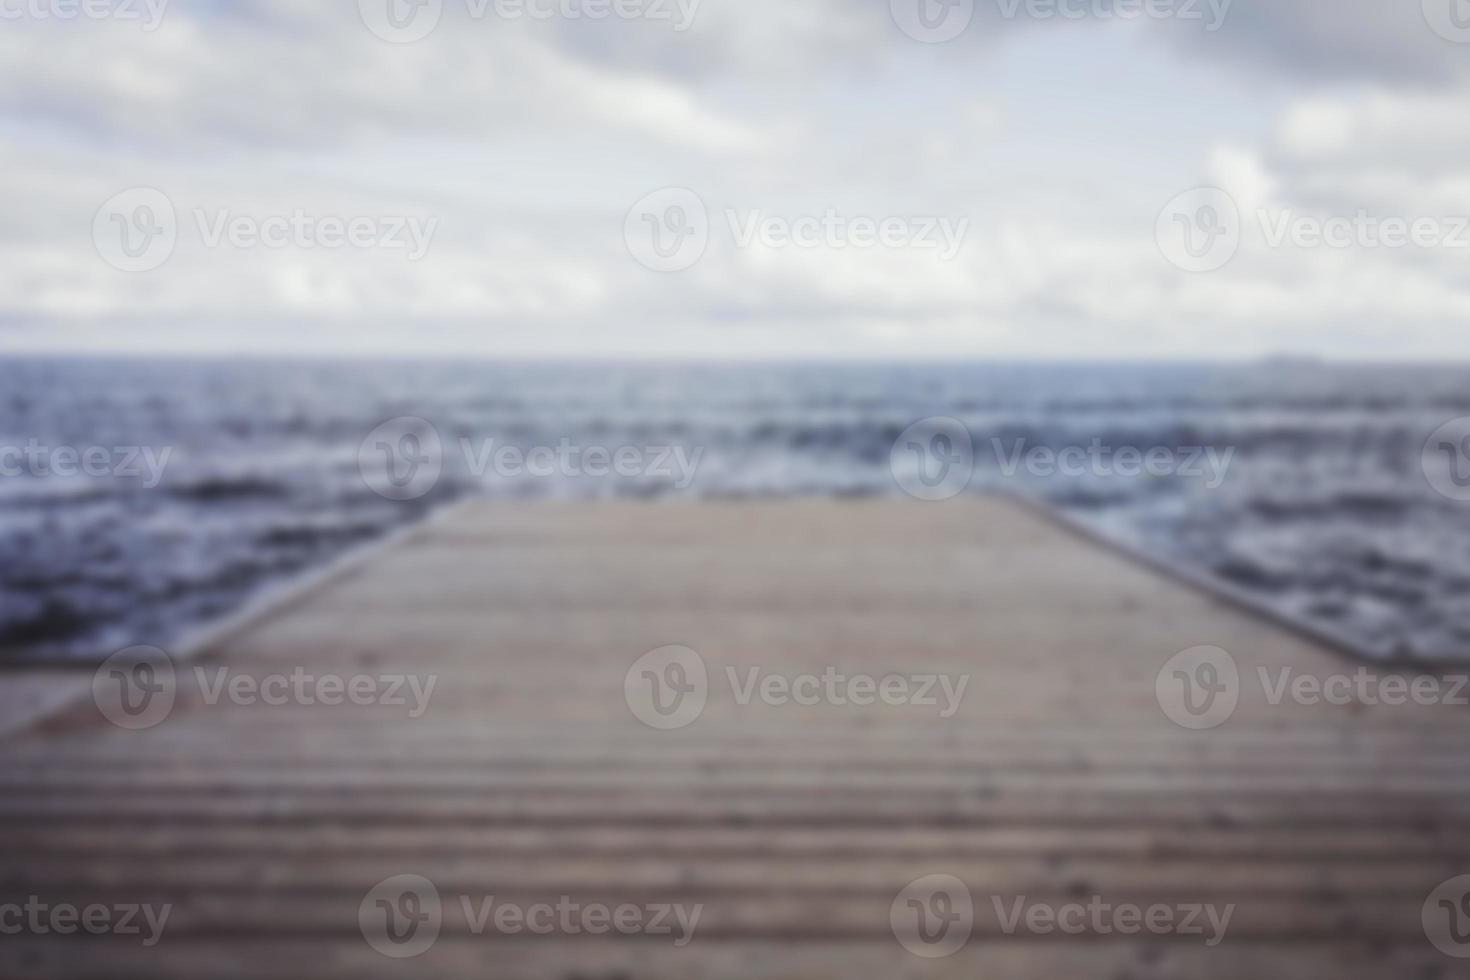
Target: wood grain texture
(1056, 778)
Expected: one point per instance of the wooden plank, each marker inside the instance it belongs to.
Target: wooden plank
(1059, 777)
(162, 839)
(326, 958)
(786, 874)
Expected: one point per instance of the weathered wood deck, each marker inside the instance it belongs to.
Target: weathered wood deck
(1059, 778)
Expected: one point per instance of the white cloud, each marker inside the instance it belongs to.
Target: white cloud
(529, 141)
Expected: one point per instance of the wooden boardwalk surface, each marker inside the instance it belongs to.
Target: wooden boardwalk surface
(1058, 779)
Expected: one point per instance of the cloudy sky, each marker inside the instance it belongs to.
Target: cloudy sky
(744, 178)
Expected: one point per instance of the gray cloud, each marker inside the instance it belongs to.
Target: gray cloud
(1384, 41)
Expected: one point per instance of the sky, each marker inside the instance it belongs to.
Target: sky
(916, 179)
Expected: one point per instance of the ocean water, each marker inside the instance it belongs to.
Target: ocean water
(210, 480)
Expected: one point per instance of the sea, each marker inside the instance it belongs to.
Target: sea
(141, 499)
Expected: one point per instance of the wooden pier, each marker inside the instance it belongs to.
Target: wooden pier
(1057, 779)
